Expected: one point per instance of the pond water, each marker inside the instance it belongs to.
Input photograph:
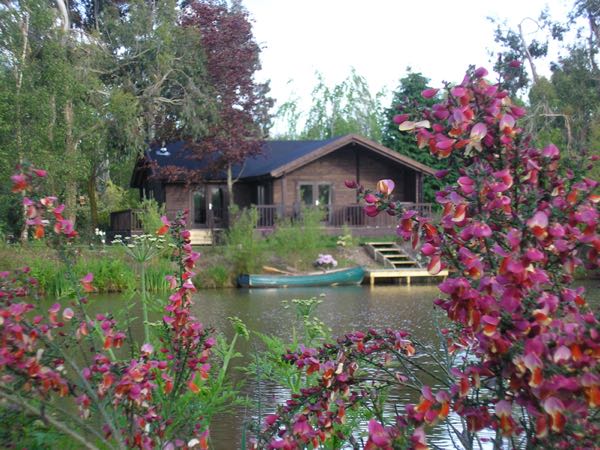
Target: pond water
(343, 309)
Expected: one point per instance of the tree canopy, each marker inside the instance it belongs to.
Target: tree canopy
(95, 82)
(347, 107)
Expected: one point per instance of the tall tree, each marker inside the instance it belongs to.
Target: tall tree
(159, 66)
(566, 106)
(155, 80)
(47, 73)
(407, 98)
(232, 60)
(92, 81)
(517, 53)
(347, 107)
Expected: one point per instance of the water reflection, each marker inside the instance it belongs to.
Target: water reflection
(343, 309)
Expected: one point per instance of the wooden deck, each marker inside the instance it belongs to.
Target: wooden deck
(406, 273)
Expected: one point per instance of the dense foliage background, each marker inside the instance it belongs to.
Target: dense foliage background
(87, 85)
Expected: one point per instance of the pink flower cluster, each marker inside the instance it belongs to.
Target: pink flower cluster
(130, 396)
(41, 212)
(512, 231)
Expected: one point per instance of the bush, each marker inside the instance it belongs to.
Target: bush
(151, 212)
(520, 366)
(217, 276)
(301, 238)
(243, 250)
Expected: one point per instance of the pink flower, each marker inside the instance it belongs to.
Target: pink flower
(538, 224)
(68, 314)
(480, 72)
(378, 436)
(551, 152)
(429, 93)
(147, 349)
(467, 185)
(165, 226)
(385, 187)
(40, 172)
(86, 282)
(458, 91)
(435, 265)
(19, 183)
(399, 118)
(418, 439)
(507, 123)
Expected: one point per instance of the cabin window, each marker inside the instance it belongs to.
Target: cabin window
(306, 194)
(324, 197)
(315, 194)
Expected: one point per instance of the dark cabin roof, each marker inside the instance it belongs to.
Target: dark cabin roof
(276, 158)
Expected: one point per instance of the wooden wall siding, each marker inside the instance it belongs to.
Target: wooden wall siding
(374, 168)
(178, 198)
(277, 190)
(341, 165)
(332, 168)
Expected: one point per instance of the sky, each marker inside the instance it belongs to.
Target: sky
(380, 39)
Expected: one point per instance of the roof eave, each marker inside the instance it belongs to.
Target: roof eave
(345, 140)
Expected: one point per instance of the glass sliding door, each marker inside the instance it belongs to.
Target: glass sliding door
(217, 204)
(200, 207)
(306, 194)
(209, 206)
(316, 194)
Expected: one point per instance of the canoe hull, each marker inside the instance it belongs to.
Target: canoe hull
(353, 275)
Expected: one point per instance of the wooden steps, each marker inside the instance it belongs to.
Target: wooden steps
(390, 255)
(201, 236)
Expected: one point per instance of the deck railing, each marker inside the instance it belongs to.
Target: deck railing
(126, 222)
(336, 215)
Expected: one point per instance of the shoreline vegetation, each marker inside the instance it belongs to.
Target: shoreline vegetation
(114, 273)
(290, 247)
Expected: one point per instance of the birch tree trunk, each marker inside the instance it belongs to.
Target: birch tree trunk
(70, 157)
(19, 68)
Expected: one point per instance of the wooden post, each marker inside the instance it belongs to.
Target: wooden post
(357, 158)
(283, 195)
(418, 193)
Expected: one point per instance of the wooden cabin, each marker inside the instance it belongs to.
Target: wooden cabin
(285, 177)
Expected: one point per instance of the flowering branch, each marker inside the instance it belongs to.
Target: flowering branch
(513, 229)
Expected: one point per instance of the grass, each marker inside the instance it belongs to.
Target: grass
(292, 244)
(113, 270)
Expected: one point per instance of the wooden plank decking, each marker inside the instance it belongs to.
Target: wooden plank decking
(201, 236)
(406, 273)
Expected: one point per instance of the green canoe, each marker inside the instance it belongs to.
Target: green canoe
(352, 275)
